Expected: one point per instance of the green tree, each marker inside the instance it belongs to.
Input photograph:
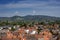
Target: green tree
(12, 29)
(38, 30)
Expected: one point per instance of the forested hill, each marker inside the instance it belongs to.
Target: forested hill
(30, 17)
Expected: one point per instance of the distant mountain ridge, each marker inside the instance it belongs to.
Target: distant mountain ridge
(30, 17)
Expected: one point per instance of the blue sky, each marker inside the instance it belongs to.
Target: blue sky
(29, 7)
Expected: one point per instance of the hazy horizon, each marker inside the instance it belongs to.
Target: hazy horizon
(10, 8)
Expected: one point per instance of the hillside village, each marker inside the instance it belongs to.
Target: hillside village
(27, 32)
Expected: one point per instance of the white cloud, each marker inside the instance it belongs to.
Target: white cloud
(44, 8)
(34, 11)
(29, 5)
(22, 5)
(16, 13)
